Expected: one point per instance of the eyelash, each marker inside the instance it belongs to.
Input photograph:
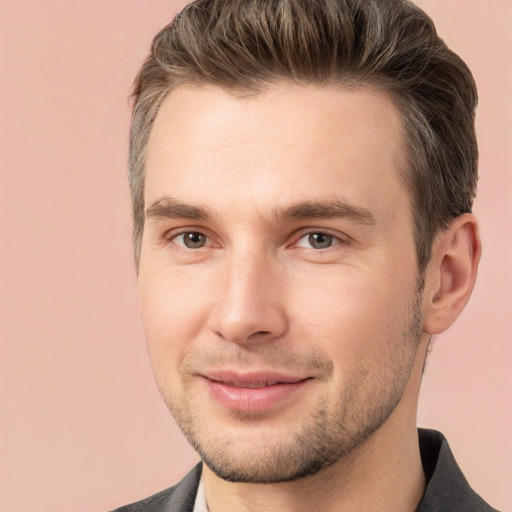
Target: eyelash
(334, 239)
(173, 236)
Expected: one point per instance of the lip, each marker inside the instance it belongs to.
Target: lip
(253, 391)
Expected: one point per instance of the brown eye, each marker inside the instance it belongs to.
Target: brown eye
(191, 240)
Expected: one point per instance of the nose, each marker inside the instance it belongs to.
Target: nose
(250, 307)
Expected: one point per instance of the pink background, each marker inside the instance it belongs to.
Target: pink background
(82, 427)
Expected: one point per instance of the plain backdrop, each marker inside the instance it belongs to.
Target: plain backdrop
(82, 426)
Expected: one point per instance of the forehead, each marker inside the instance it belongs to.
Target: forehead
(285, 142)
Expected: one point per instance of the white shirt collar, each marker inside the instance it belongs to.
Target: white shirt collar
(200, 503)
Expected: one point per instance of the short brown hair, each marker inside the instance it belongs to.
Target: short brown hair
(248, 45)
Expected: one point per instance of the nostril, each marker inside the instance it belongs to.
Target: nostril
(260, 333)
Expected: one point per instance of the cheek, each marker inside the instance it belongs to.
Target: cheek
(173, 311)
(352, 316)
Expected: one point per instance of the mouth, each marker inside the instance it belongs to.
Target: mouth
(253, 384)
(255, 391)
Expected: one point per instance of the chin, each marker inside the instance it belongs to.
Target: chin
(255, 454)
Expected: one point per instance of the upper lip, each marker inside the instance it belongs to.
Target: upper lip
(252, 379)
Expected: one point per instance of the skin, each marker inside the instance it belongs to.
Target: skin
(239, 274)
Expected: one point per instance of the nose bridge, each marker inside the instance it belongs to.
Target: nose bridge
(250, 303)
(248, 264)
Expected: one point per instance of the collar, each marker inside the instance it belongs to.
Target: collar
(200, 504)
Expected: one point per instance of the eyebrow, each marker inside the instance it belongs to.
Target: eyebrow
(168, 208)
(338, 209)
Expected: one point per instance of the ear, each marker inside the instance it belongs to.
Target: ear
(451, 275)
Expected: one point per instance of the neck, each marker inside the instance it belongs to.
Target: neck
(383, 473)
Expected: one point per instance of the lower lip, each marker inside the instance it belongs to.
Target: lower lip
(254, 399)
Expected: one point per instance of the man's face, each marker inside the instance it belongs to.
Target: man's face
(278, 275)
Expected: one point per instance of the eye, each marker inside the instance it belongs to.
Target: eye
(318, 240)
(190, 239)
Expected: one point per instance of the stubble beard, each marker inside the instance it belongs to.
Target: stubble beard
(327, 436)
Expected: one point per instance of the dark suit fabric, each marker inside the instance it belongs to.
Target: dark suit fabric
(447, 489)
(178, 498)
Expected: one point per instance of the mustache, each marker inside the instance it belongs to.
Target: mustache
(270, 356)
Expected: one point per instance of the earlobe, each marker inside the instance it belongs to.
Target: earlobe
(452, 273)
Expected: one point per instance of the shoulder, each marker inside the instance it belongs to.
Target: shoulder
(447, 488)
(178, 498)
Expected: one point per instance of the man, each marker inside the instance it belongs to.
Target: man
(302, 176)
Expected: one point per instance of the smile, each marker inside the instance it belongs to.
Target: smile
(253, 392)
(252, 385)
